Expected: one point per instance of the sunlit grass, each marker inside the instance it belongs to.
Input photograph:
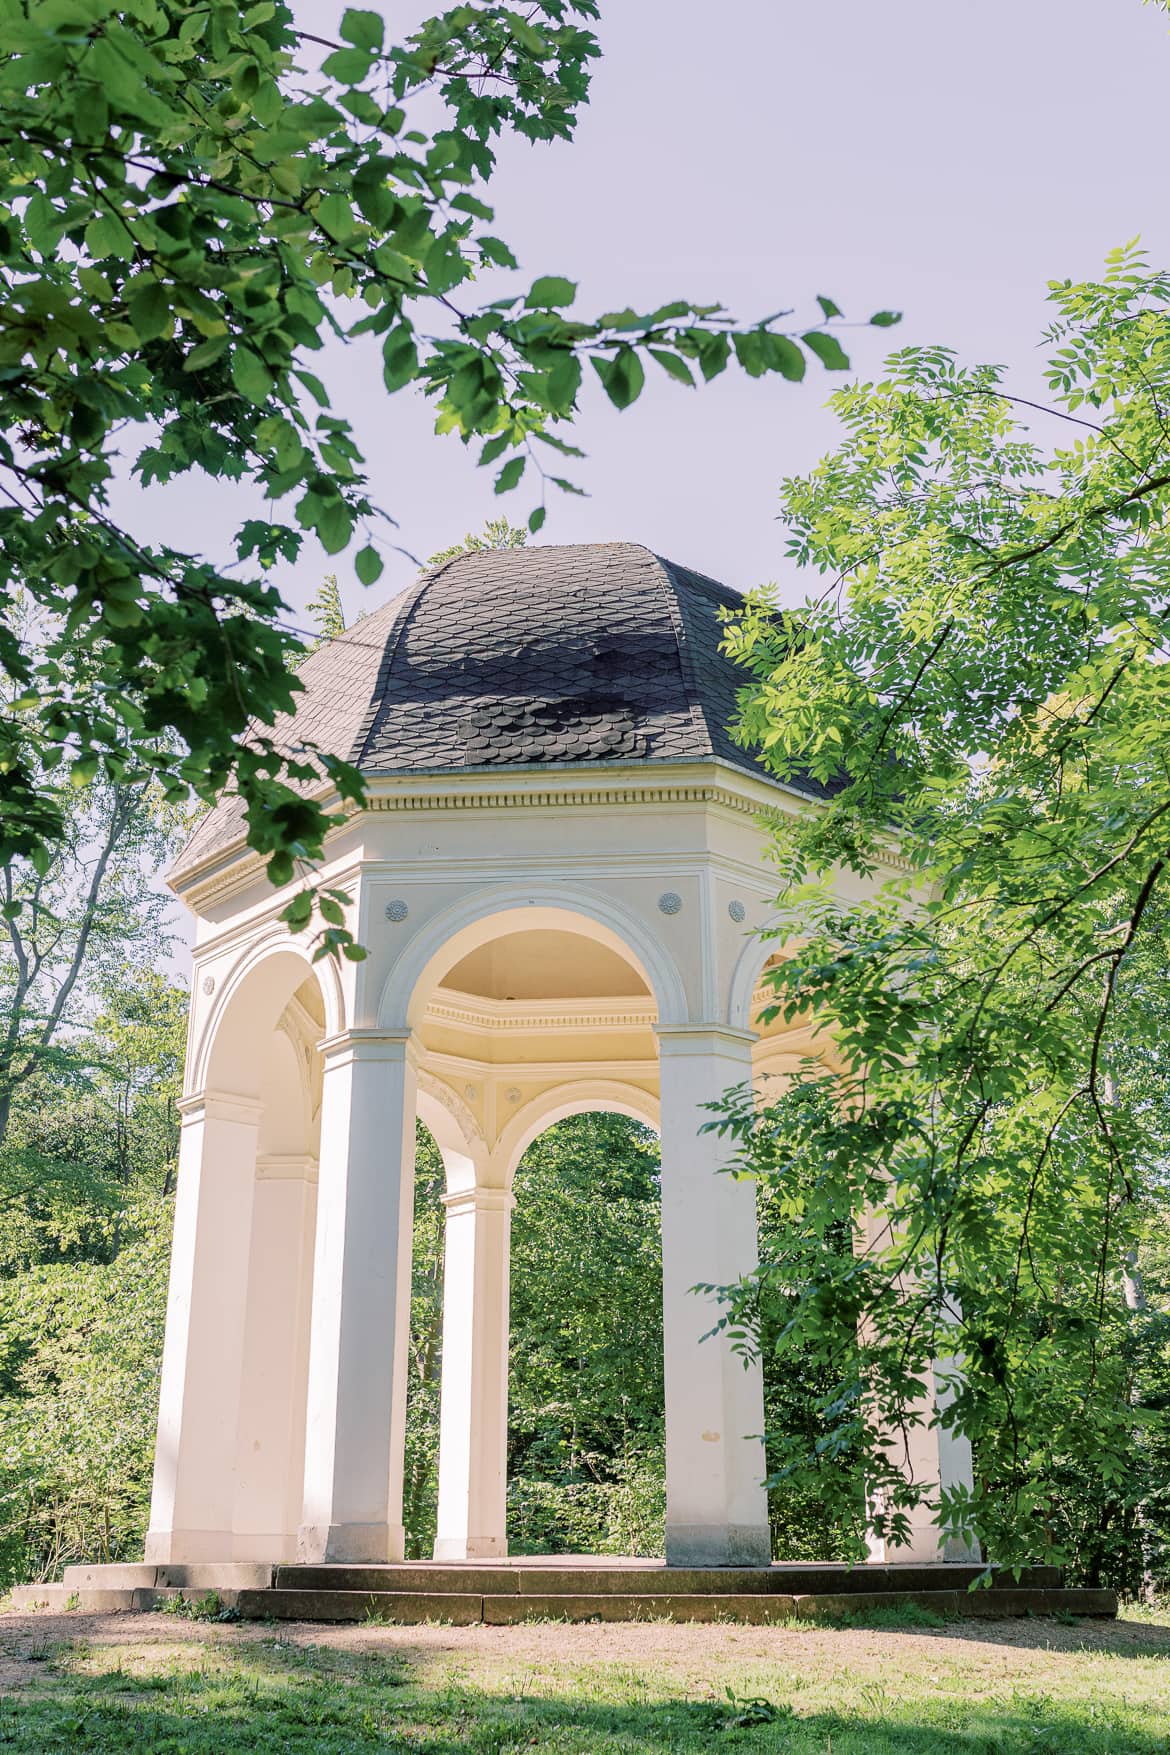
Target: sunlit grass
(1025, 1690)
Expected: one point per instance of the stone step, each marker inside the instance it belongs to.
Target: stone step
(575, 1590)
(576, 1579)
(201, 1575)
(465, 1608)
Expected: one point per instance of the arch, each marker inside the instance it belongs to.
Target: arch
(454, 1129)
(276, 966)
(753, 959)
(489, 914)
(583, 1097)
(446, 1116)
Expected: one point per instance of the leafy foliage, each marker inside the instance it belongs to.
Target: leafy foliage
(89, 1168)
(496, 533)
(76, 922)
(186, 215)
(983, 685)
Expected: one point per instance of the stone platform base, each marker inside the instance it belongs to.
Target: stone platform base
(569, 1588)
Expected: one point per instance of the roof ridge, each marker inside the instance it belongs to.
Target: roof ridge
(669, 584)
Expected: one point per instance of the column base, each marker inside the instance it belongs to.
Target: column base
(471, 1548)
(925, 1548)
(372, 1544)
(170, 1547)
(728, 1544)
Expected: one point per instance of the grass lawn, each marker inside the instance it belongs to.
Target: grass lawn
(159, 1685)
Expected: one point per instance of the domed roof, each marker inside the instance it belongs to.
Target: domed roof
(520, 658)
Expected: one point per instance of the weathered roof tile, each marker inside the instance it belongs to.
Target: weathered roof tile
(595, 652)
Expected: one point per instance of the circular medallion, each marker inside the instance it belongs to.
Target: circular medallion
(396, 910)
(512, 1094)
(737, 911)
(209, 984)
(670, 903)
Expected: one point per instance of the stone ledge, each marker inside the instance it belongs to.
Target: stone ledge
(502, 1594)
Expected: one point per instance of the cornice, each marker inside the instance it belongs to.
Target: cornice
(491, 1017)
(708, 785)
(663, 784)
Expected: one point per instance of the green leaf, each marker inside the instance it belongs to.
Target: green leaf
(399, 357)
(828, 307)
(107, 236)
(549, 291)
(494, 448)
(622, 376)
(364, 30)
(510, 474)
(827, 349)
(150, 309)
(335, 216)
(205, 354)
(885, 319)
(536, 518)
(347, 66)
(251, 376)
(785, 357)
(335, 525)
(368, 565)
(94, 282)
(313, 385)
(469, 204)
(673, 364)
(43, 224)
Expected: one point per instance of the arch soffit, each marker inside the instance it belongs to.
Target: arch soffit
(583, 1097)
(277, 980)
(476, 920)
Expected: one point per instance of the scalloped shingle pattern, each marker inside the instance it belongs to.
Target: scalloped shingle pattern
(561, 656)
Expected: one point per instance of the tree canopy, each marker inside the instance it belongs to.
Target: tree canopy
(982, 683)
(189, 210)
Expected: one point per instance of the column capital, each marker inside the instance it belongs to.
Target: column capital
(286, 1167)
(220, 1106)
(704, 1038)
(368, 1044)
(478, 1200)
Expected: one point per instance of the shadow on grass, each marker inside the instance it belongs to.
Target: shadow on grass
(311, 1710)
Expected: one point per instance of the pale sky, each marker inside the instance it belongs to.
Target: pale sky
(941, 157)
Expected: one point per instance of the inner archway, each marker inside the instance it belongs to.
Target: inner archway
(586, 1419)
(527, 1018)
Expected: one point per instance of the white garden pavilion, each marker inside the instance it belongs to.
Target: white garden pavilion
(559, 879)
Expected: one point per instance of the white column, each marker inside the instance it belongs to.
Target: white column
(925, 1454)
(930, 1457)
(716, 1505)
(199, 1401)
(473, 1418)
(270, 1462)
(356, 1416)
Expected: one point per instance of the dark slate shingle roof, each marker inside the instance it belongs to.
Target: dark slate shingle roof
(599, 652)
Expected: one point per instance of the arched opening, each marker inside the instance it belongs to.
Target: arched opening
(526, 1019)
(585, 1446)
(420, 1475)
(586, 1420)
(229, 1468)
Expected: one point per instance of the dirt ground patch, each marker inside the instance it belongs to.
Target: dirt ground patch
(683, 1653)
